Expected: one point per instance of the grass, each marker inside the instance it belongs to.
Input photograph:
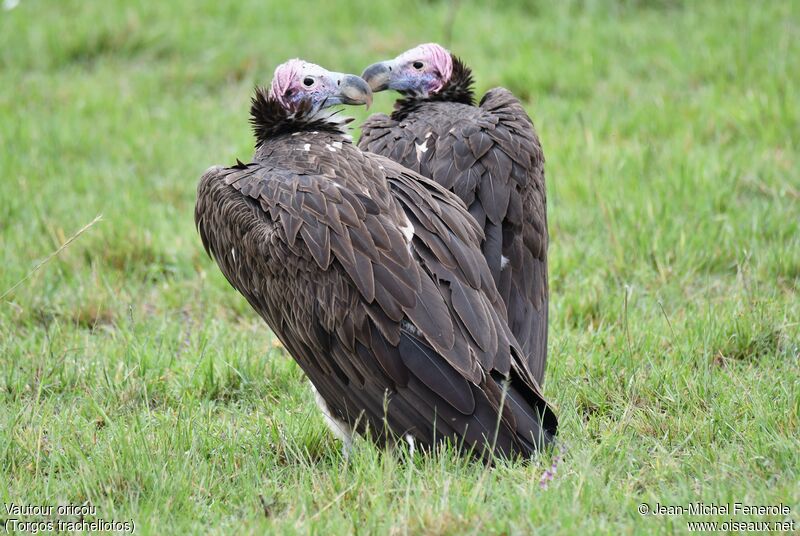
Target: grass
(133, 377)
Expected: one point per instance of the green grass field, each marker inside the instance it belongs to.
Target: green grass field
(133, 377)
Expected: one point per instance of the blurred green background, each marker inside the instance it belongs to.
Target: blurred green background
(132, 376)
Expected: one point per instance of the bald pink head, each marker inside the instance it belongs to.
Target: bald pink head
(285, 81)
(422, 71)
(296, 81)
(435, 59)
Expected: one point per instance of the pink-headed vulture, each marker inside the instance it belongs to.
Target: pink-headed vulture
(490, 156)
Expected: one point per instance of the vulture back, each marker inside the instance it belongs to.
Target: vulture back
(490, 157)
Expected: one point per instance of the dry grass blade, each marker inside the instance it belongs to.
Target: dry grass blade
(47, 259)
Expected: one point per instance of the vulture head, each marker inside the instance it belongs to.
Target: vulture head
(296, 82)
(422, 71)
(299, 91)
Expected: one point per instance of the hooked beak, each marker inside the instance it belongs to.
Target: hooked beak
(354, 90)
(378, 75)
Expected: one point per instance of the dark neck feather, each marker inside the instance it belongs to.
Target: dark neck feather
(457, 89)
(270, 119)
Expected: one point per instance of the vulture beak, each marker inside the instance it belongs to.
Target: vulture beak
(354, 90)
(378, 75)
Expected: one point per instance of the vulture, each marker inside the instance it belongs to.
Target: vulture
(372, 278)
(489, 155)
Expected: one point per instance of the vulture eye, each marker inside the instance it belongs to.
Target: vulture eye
(418, 65)
(308, 81)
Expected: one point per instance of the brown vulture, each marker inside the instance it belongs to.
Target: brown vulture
(490, 156)
(372, 278)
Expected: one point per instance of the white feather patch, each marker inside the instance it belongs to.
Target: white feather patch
(411, 444)
(340, 429)
(307, 147)
(408, 233)
(421, 148)
(411, 328)
(503, 262)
